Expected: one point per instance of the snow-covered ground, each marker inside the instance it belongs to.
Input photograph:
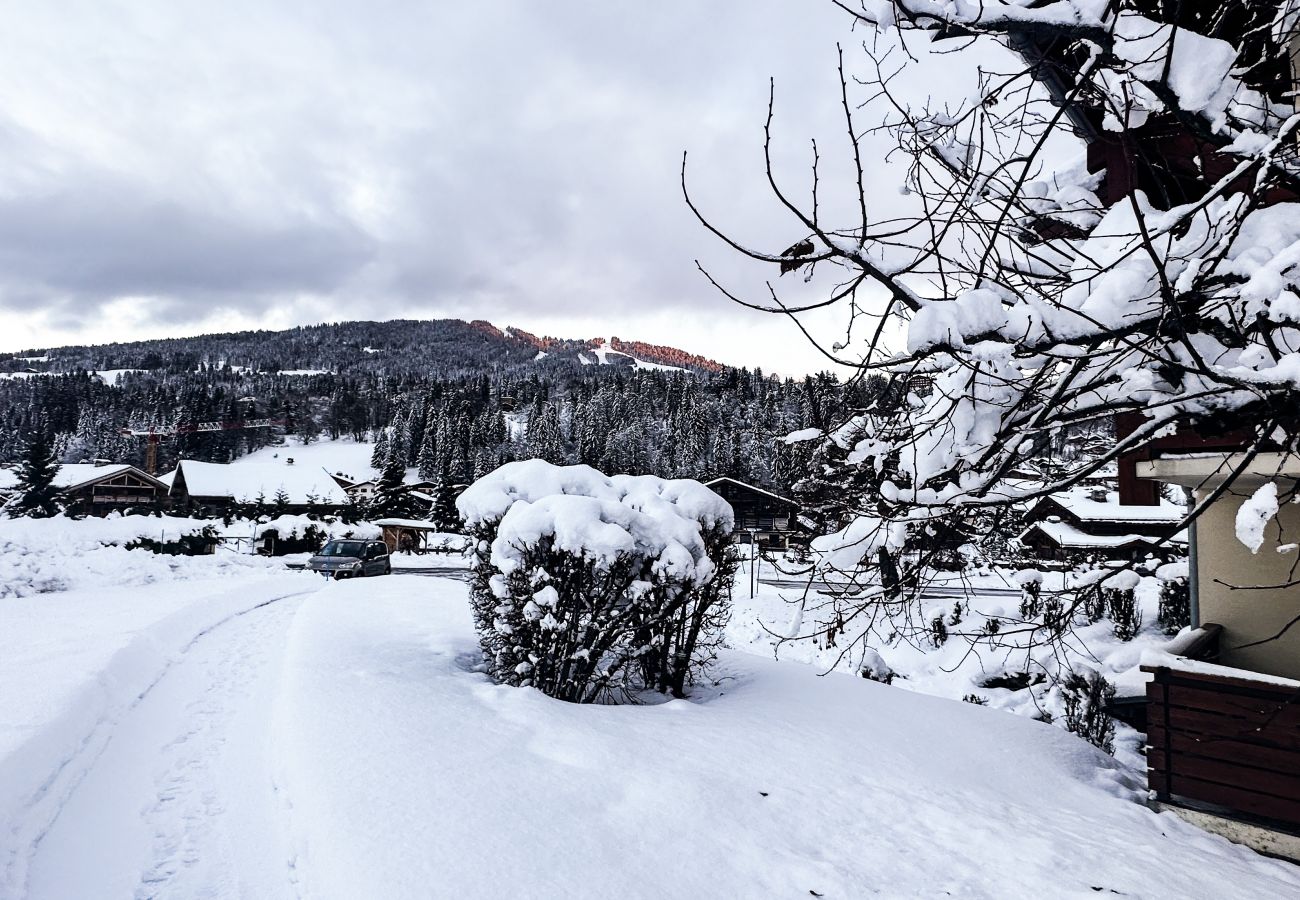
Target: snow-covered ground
(345, 455)
(282, 736)
(784, 619)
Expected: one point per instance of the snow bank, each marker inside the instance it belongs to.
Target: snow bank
(39, 556)
(1019, 681)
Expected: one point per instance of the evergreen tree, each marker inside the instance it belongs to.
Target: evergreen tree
(427, 460)
(392, 497)
(444, 513)
(379, 455)
(36, 496)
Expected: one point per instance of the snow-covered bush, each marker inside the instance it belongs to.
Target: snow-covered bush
(938, 631)
(1031, 591)
(1087, 695)
(194, 542)
(589, 587)
(1175, 611)
(1121, 604)
(874, 667)
(311, 539)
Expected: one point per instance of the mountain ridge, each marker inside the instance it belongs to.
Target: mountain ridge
(397, 346)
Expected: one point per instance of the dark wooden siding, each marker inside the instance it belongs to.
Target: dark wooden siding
(124, 490)
(1229, 741)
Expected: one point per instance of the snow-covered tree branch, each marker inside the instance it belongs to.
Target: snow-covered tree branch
(1110, 224)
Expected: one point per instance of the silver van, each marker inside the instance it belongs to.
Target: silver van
(351, 559)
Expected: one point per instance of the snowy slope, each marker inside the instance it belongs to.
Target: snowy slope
(411, 775)
(341, 743)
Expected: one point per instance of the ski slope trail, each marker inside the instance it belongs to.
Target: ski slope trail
(184, 800)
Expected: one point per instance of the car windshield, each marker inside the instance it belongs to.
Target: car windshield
(342, 548)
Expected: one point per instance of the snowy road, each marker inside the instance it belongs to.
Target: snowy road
(182, 801)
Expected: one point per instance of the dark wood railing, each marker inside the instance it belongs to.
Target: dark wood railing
(1227, 740)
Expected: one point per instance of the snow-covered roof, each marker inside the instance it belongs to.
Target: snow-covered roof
(754, 488)
(74, 475)
(406, 523)
(244, 481)
(1064, 535)
(1110, 510)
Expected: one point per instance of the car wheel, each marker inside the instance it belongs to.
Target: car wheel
(388, 568)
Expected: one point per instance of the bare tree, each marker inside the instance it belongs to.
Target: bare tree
(1111, 227)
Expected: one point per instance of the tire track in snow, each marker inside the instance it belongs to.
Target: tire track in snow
(151, 770)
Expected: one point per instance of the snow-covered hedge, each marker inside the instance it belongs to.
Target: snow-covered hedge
(40, 556)
(290, 534)
(587, 586)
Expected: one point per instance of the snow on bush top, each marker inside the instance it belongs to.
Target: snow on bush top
(602, 531)
(596, 516)
(488, 499)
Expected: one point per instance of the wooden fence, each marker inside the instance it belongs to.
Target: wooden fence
(1224, 740)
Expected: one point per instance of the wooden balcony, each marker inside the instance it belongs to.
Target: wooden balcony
(1225, 742)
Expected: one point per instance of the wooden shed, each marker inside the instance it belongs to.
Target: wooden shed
(418, 536)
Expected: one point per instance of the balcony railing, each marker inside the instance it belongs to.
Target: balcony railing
(1225, 739)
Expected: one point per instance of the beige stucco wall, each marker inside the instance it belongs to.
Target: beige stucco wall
(1250, 615)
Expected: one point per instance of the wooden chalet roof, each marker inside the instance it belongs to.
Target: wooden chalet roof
(753, 488)
(72, 476)
(1078, 507)
(1064, 535)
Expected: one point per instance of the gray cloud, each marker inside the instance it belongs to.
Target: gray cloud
(508, 159)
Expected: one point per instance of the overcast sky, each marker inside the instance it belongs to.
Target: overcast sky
(178, 167)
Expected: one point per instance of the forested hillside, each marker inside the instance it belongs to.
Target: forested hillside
(454, 398)
(445, 347)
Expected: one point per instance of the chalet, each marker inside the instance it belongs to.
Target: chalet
(1078, 525)
(96, 489)
(761, 516)
(213, 488)
(361, 492)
